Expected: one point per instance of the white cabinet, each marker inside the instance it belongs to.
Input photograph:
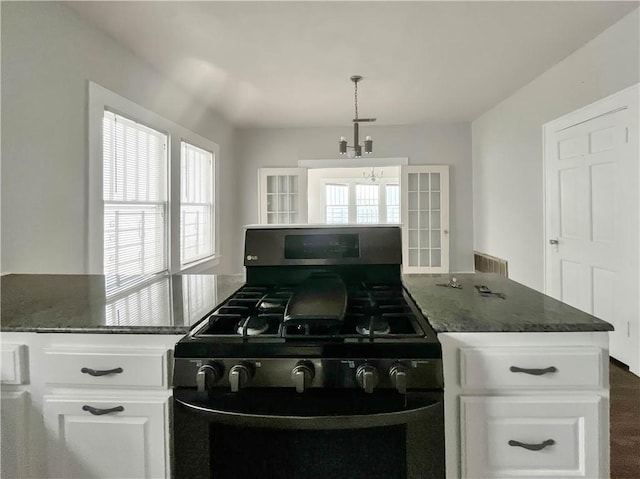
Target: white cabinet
(116, 438)
(14, 399)
(15, 444)
(96, 405)
(526, 405)
(547, 436)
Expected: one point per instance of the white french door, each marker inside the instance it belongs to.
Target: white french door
(592, 211)
(425, 219)
(282, 195)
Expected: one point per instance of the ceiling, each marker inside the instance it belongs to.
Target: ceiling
(281, 64)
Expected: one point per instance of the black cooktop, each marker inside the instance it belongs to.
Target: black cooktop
(380, 320)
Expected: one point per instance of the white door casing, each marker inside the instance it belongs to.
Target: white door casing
(424, 208)
(592, 211)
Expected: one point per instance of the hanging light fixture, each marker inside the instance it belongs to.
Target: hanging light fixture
(372, 176)
(368, 142)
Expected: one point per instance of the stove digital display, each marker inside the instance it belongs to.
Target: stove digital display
(322, 246)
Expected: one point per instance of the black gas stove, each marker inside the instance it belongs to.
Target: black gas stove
(320, 366)
(327, 299)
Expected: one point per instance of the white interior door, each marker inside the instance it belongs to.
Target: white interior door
(592, 216)
(425, 219)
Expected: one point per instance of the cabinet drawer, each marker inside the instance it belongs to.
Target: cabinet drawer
(534, 368)
(109, 368)
(561, 433)
(14, 364)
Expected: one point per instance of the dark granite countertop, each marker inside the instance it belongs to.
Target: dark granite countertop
(171, 304)
(522, 310)
(100, 304)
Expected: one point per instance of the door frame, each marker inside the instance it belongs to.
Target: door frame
(610, 104)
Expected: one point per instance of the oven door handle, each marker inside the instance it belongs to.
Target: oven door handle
(356, 421)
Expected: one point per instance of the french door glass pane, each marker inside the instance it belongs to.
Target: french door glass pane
(282, 199)
(423, 220)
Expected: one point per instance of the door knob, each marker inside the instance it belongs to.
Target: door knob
(553, 241)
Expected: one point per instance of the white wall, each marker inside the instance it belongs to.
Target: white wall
(48, 56)
(435, 144)
(507, 146)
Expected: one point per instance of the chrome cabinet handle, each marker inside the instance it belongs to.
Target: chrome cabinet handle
(533, 372)
(101, 372)
(100, 412)
(532, 447)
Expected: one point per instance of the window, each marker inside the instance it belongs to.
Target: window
(352, 201)
(337, 203)
(135, 197)
(152, 194)
(367, 203)
(196, 205)
(393, 203)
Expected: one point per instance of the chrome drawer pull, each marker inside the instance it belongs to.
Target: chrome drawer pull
(101, 372)
(100, 412)
(534, 372)
(533, 447)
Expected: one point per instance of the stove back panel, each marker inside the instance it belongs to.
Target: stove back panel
(323, 246)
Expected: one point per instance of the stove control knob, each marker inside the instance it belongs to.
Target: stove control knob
(302, 375)
(367, 377)
(239, 376)
(207, 376)
(398, 376)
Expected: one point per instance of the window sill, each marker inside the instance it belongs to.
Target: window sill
(200, 265)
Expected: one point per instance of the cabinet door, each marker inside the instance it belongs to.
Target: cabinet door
(128, 442)
(15, 451)
(282, 195)
(532, 437)
(425, 219)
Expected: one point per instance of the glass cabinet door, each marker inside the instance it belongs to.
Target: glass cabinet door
(425, 222)
(283, 195)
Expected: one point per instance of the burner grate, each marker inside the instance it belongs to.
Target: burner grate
(374, 312)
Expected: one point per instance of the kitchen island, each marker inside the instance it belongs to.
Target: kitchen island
(551, 381)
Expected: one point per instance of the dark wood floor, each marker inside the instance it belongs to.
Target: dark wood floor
(625, 423)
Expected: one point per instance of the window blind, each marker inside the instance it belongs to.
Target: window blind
(367, 203)
(393, 203)
(197, 238)
(337, 203)
(135, 197)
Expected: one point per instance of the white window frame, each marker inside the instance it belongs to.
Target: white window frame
(352, 207)
(100, 99)
(211, 204)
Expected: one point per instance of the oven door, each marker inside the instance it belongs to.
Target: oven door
(321, 434)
